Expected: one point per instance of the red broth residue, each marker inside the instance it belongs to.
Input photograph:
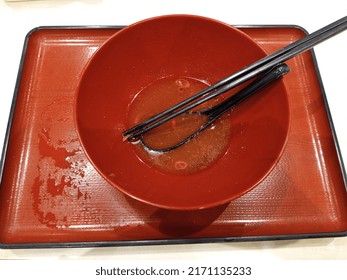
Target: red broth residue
(197, 154)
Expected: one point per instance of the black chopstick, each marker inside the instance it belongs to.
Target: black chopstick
(240, 77)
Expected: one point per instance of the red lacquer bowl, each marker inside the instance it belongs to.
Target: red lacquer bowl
(178, 46)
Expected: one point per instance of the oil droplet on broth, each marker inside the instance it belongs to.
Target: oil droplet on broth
(199, 153)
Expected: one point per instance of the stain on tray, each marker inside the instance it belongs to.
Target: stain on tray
(60, 191)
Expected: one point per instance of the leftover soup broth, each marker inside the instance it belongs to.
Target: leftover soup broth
(200, 152)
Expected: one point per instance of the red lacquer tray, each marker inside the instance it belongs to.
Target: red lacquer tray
(51, 196)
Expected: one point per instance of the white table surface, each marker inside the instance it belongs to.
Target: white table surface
(18, 17)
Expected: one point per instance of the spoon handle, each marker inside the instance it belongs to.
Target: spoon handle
(261, 82)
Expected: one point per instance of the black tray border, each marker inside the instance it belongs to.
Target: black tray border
(174, 241)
